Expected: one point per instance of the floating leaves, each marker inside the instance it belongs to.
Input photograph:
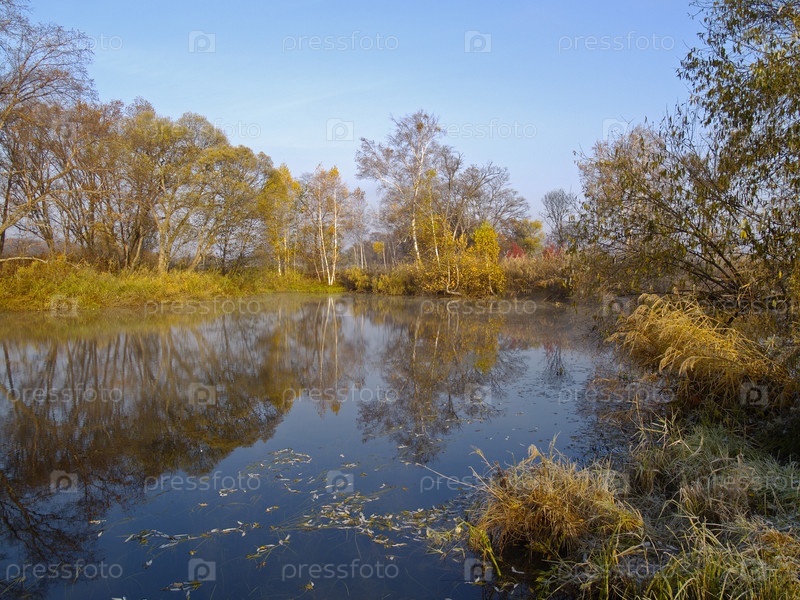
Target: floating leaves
(143, 537)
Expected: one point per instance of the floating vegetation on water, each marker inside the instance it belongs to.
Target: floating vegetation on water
(174, 539)
(262, 552)
(321, 507)
(286, 457)
(181, 586)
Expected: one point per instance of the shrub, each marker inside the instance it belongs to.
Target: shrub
(401, 281)
(356, 279)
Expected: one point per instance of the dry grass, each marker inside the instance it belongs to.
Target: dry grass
(707, 360)
(745, 559)
(706, 515)
(39, 286)
(549, 506)
(547, 272)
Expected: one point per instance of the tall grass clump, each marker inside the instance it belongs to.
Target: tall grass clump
(747, 560)
(704, 358)
(548, 506)
(690, 511)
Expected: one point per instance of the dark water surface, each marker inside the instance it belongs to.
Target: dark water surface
(278, 447)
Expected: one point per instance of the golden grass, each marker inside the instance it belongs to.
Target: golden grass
(549, 506)
(546, 272)
(707, 360)
(61, 285)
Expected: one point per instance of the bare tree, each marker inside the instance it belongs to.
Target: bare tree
(38, 64)
(558, 206)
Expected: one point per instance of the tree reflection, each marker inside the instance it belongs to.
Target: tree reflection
(115, 402)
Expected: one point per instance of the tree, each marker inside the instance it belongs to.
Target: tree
(528, 234)
(167, 173)
(39, 64)
(746, 87)
(279, 207)
(357, 225)
(492, 198)
(401, 167)
(486, 275)
(379, 248)
(325, 204)
(225, 215)
(654, 209)
(559, 206)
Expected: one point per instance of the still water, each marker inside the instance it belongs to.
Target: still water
(279, 447)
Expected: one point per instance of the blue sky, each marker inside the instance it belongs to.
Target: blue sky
(523, 84)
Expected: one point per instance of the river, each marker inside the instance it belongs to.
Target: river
(283, 446)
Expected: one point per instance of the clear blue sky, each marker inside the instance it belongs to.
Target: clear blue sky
(520, 83)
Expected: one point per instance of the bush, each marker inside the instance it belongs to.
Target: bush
(401, 281)
(356, 279)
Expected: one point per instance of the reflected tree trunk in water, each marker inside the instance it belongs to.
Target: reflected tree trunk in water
(113, 404)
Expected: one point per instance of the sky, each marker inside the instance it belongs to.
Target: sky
(521, 83)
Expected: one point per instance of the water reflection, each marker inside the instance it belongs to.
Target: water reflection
(93, 408)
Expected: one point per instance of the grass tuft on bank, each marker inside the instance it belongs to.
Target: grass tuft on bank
(548, 506)
(705, 359)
